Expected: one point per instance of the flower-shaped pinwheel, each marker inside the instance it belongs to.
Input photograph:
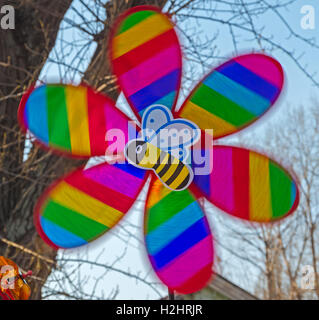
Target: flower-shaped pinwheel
(77, 121)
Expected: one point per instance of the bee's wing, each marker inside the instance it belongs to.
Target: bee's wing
(178, 239)
(247, 184)
(235, 94)
(146, 58)
(86, 203)
(72, 120)
(176, 134)
(153, 119)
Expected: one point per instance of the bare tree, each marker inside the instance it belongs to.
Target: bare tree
(23, 53)
(278, 252)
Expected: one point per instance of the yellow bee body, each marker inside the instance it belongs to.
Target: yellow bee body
(175, 174)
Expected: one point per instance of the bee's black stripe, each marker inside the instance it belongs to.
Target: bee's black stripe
(176, 173)
(158, 161)
(166, 167)
(184, 183)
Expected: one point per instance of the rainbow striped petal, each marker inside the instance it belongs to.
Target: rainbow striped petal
(178, 239)
(146, 58)
(73, 119)
(235, 94)
(87, 203)
(248, 185)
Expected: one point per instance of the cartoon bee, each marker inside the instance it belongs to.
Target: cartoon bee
(164, 147)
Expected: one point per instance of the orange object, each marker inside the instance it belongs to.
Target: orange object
(12, 283)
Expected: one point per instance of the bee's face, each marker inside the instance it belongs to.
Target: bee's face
(135, 151)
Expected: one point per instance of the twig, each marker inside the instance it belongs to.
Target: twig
(26, 250)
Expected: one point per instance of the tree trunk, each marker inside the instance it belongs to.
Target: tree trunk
(23, 177)
(23, 52)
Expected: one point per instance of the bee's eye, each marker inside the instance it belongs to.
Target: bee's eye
(139, 149)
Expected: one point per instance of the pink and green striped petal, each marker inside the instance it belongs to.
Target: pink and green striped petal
(73, 120)
(248, 185)
(87, 203)
(146, 58)
(235, 94)
(178, 239)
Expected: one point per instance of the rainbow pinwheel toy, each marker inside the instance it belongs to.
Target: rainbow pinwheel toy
(79, 122)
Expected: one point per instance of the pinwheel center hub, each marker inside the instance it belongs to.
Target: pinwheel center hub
(164, 147)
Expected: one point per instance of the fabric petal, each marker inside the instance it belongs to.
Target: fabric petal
(146, 58)
(235, 94)
(178, 239)
(248, 185)
(87, 203)
(74, 120)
